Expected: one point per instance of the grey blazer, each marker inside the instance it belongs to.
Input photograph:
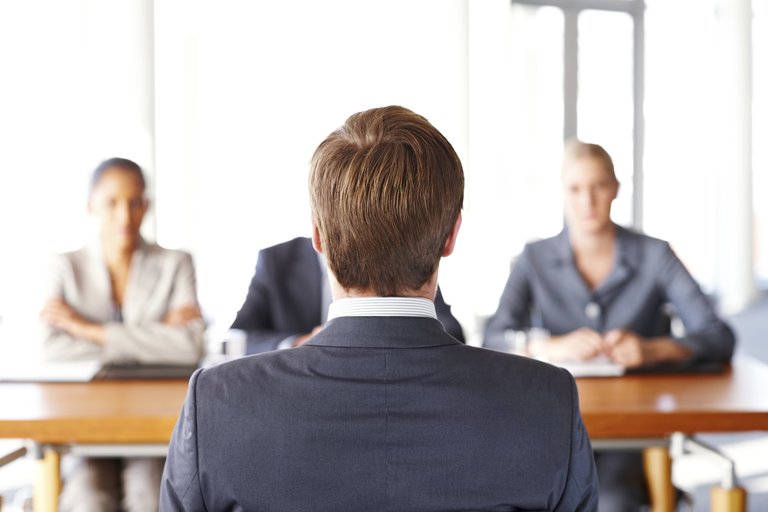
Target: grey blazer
(545, 290)
(159, 280)
(380, 414)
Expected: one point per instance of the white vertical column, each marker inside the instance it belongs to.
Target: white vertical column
(638, 115)
(570, 73)
(119, 42)
(177, 86)
(735, 273)
(143, 28)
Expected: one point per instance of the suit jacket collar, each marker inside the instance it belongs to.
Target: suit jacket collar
(307, 278)
(626, 261)
(142, 277)
(100, 282)
(383, 332)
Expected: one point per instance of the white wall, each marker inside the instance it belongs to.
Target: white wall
(75, 90)
(515, 139)
(247, 90)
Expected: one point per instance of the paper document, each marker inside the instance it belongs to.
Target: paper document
(600, 366)
(38, 371)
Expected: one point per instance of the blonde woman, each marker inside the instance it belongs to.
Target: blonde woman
(600, 289)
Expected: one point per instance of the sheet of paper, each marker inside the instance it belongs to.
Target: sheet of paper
(600, 366)
(70, 371)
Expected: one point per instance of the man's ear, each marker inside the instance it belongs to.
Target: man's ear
(450, 242)
(316, 243)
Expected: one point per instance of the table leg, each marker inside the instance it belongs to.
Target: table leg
(728, 500)
(658, 474)
(47, 481)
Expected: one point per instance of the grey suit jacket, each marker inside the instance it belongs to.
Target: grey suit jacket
(380, 414)
(284, 297)
(545, 290)
(159, 280)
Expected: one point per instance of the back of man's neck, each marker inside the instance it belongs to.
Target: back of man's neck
(425, 292)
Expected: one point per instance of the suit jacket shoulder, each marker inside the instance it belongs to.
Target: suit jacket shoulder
(381, 414)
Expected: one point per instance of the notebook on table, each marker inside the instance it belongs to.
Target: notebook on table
(600, 366)
(40, 371)
(671, 368)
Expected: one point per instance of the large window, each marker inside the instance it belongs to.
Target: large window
(605, 101)
(247, 90)
(602, 84)
(681, 142)
(226, 102)
(542, 71)
(68, 99)
(515, 140)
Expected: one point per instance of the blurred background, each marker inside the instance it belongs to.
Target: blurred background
(224, 101)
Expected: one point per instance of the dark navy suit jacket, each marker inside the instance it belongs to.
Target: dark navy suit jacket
(546, 290)
(284, 298)
(380, 414)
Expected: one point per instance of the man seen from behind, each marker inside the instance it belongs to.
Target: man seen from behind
(382, 410)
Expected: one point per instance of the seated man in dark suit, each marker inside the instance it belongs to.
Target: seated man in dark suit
(289, 296)
(382, 409)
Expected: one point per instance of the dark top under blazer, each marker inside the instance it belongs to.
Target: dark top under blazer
(380, 414)
(284, 298)
(546, 290)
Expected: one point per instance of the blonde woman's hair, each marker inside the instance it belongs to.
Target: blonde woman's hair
(576, 150)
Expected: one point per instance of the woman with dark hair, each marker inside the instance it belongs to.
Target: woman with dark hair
(120, 299)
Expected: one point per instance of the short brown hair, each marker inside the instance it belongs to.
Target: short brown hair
(386, 190)
(576, 149)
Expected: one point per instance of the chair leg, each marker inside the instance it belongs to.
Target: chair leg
(48, 482)
(728, 500)
(658, 474)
